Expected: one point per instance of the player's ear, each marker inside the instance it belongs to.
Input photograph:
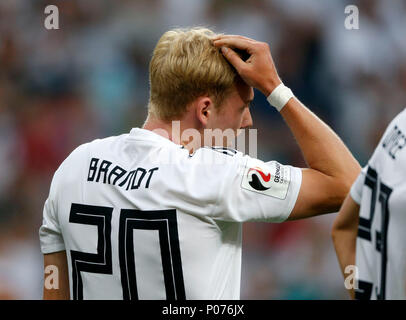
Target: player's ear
(204, 110)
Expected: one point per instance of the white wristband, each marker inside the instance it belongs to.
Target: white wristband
(280, 96)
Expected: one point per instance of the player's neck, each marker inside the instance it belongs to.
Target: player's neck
(162, 128)
(172, 130)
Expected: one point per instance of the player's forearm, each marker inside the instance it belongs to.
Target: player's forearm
(56, 294)
(323, 150)
(344, 235)
(344, 241)
(344, 244)
(56, 279)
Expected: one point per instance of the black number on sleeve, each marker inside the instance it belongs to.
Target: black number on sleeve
(364, 232)
(165, 222)
(99, 262)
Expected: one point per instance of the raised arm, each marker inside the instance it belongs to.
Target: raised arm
(332, 168)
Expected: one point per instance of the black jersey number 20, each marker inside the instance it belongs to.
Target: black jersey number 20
(101, 262)
(364, 232)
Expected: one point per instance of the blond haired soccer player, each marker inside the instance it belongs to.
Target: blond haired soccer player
(152, 215)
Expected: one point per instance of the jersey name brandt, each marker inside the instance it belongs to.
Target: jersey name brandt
(104, 171)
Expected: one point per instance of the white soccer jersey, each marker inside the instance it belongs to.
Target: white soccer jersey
(380, 190)
(141, 218)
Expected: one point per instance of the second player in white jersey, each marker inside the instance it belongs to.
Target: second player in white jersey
(380, 191)
(132, 212)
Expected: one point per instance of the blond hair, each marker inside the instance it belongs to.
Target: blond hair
(185, 65)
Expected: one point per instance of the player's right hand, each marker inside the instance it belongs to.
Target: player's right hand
(259, 69)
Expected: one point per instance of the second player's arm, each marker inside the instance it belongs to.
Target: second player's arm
(59, 291)
(332, 168)
(344, 234)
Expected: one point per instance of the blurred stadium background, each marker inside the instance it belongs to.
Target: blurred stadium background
(89, 79)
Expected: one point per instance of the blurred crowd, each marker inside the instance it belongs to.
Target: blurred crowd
(89, 79)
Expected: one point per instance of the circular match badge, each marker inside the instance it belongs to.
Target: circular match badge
(270, 178)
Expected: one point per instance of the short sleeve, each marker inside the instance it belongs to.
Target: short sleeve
(50, 235)
(254, 190)
(356, 188)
